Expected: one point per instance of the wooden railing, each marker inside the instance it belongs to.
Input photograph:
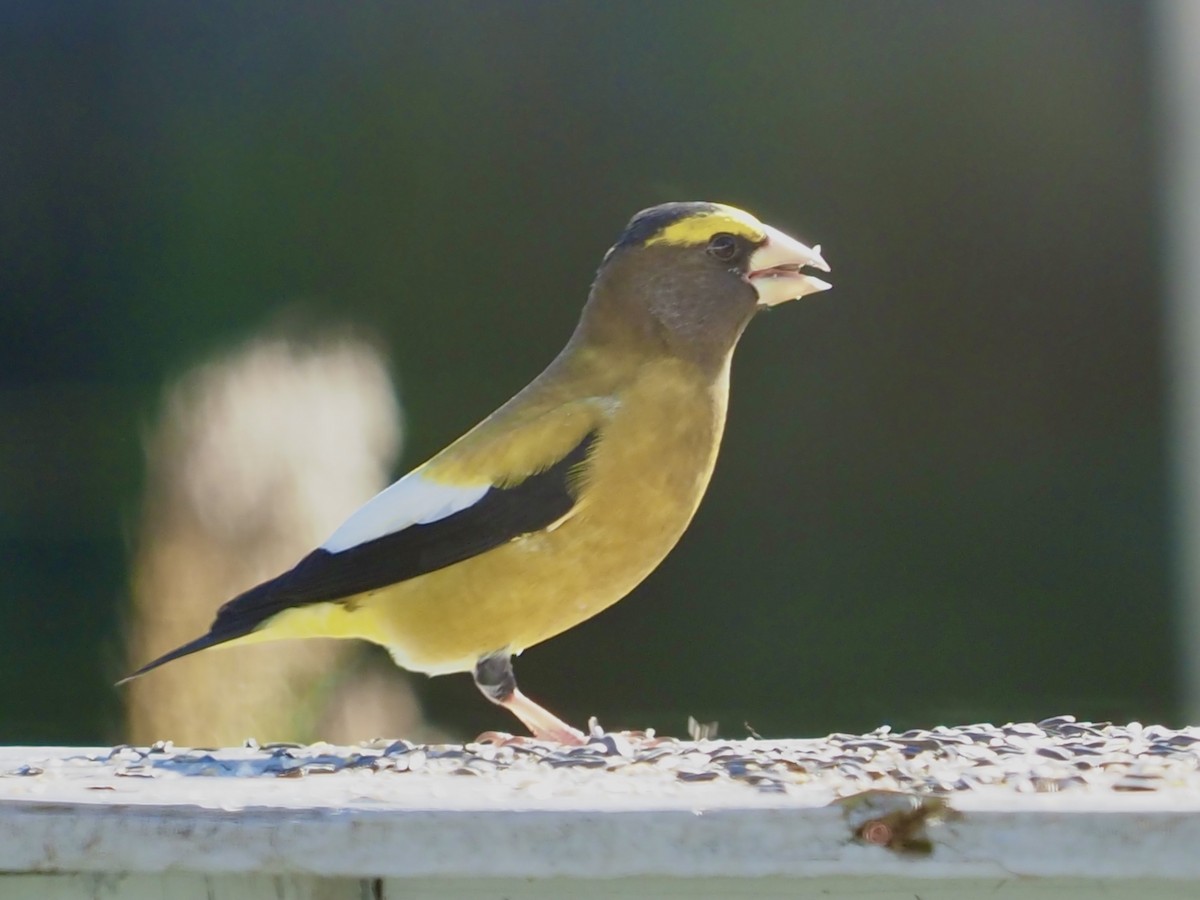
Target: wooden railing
(1060, 809)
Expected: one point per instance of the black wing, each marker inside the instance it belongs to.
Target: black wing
(321, 577)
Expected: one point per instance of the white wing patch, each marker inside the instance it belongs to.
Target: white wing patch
(413, 500)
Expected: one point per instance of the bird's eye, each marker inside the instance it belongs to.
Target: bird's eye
(723, 246)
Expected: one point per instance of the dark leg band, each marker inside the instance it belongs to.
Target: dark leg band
(494, 677)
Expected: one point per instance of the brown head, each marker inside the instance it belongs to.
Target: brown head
(686, 278)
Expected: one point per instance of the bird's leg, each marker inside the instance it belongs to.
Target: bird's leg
(494, 678)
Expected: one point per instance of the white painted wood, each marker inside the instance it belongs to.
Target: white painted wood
(81, 814)
(749, 843)
(787, 889)
(622, 817)
(183, 886)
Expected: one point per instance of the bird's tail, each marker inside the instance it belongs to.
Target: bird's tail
(203, 642)
(237, 618)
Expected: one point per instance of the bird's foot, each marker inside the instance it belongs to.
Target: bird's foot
(568, 737)
(543, 724)
(561, 734)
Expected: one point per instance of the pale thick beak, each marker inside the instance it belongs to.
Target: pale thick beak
(775, 269)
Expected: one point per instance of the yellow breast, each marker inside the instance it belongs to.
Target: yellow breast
(651, 464)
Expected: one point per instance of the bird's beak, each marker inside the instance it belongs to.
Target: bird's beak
(775, 269)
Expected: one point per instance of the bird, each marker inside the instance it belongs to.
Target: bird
(564, 499)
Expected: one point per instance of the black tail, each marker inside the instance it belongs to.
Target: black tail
(200, 643)
(237, 618)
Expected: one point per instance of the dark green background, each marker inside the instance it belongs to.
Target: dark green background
(942, 494)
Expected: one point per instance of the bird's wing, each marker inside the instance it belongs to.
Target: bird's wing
(421, 523)
(418, 526)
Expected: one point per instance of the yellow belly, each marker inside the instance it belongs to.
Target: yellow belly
(645, 479)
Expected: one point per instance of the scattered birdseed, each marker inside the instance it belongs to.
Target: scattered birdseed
(1057, 755)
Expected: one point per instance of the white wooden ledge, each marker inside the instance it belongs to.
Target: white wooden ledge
(1060, 809)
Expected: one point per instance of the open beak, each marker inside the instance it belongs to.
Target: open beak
(776, 269)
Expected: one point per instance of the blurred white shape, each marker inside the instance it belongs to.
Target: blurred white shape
(284, 437)
(258, 456)
(1177, 53)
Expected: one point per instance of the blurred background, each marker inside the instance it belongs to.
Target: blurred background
(234, 236)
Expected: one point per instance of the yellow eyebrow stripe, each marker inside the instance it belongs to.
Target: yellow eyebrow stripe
(699, 228)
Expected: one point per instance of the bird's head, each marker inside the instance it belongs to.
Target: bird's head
(695, 273)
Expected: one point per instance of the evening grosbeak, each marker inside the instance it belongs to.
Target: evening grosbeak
(560, 502)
